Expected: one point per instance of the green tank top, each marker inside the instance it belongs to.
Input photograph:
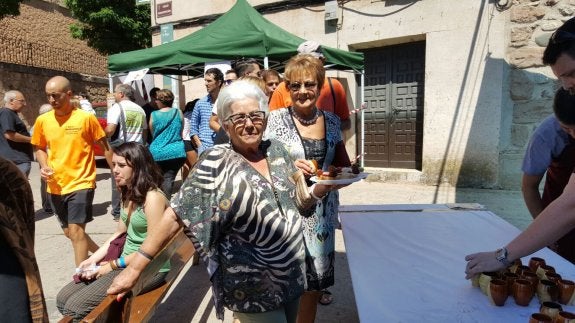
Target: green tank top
(137, 232)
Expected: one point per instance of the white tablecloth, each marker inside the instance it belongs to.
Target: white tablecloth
(409, 266)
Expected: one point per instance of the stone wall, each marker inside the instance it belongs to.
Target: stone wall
(31, 81)
(531, 84)
(37, 45)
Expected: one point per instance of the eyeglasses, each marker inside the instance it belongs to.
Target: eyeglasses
(296, 86)
(20, 100)
(560, 36)
(228, 82)
(240, 118)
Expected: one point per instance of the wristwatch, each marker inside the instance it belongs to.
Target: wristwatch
(501, 256)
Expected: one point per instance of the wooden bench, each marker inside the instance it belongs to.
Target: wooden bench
(140, 308)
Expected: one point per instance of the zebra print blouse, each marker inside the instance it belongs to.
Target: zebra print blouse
(250, 237)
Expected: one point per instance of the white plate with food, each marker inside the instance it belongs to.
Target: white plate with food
(340, 179)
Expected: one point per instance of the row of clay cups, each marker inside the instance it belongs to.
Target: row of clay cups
(498, 287)
(550, 313)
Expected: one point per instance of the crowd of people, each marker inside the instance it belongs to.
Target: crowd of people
(265, 231)
(247, 151)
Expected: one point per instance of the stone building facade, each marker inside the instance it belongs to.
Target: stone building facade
(37, 45)
(531, 85)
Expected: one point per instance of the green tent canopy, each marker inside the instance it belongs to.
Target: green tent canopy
(241, 32)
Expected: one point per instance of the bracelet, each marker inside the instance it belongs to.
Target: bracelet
(313, 195)
(113, 264)
(145, 254)
(121, 262)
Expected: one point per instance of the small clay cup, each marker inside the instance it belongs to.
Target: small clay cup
(510, 278)
(522, 292)
(532, 277)
(515, 265)
(554, 277)
(566, 291)
(547, 291)
(521, 269)
(565, 317)
(550, 308)
(475, 280)
(535, 262)
(539, 318)
(484, 280)
(497, 292)
(544, 269)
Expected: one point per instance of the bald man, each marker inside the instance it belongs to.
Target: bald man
(68, 166)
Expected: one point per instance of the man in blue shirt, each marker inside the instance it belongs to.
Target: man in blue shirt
(201, 133)
(15, 138)
(551, 154)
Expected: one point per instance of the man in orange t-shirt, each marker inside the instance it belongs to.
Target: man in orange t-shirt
(332, 96)
(64, 139)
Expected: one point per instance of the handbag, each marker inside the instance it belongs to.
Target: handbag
(114, 249)
(115, 139)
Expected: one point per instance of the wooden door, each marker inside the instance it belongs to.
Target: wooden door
(394, 98)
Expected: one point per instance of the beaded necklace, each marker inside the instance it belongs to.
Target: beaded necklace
(306, 122)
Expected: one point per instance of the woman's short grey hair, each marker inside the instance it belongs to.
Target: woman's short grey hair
(239, 90)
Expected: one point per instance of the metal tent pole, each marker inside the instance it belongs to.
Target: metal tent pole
(362, 96)
(110, 83)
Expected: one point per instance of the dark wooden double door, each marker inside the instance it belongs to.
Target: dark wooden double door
(394, 79)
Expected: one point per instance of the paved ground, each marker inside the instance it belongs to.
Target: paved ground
(190, 300)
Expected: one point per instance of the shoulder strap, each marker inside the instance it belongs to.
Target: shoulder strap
(129, 215)
(332, 92)
(123, 122)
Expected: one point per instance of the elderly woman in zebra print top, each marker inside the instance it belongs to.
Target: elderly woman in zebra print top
(240, 206)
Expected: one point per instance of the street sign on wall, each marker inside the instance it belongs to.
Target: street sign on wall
(142, 1)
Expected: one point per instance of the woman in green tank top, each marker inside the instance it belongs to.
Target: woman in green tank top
(143, 203)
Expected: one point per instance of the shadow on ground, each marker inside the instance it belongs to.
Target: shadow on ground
(40, 215)
(100, 209)
(186, 302)
(103, 176)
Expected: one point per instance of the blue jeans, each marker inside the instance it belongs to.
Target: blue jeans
(115, 198)
(25, 168)
(170, 169)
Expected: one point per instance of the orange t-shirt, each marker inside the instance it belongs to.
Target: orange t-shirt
(69, 141)
(281, 98)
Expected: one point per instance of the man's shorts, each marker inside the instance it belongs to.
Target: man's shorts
(75, 207)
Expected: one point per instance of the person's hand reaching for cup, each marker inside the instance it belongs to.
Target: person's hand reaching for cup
(482, 262)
